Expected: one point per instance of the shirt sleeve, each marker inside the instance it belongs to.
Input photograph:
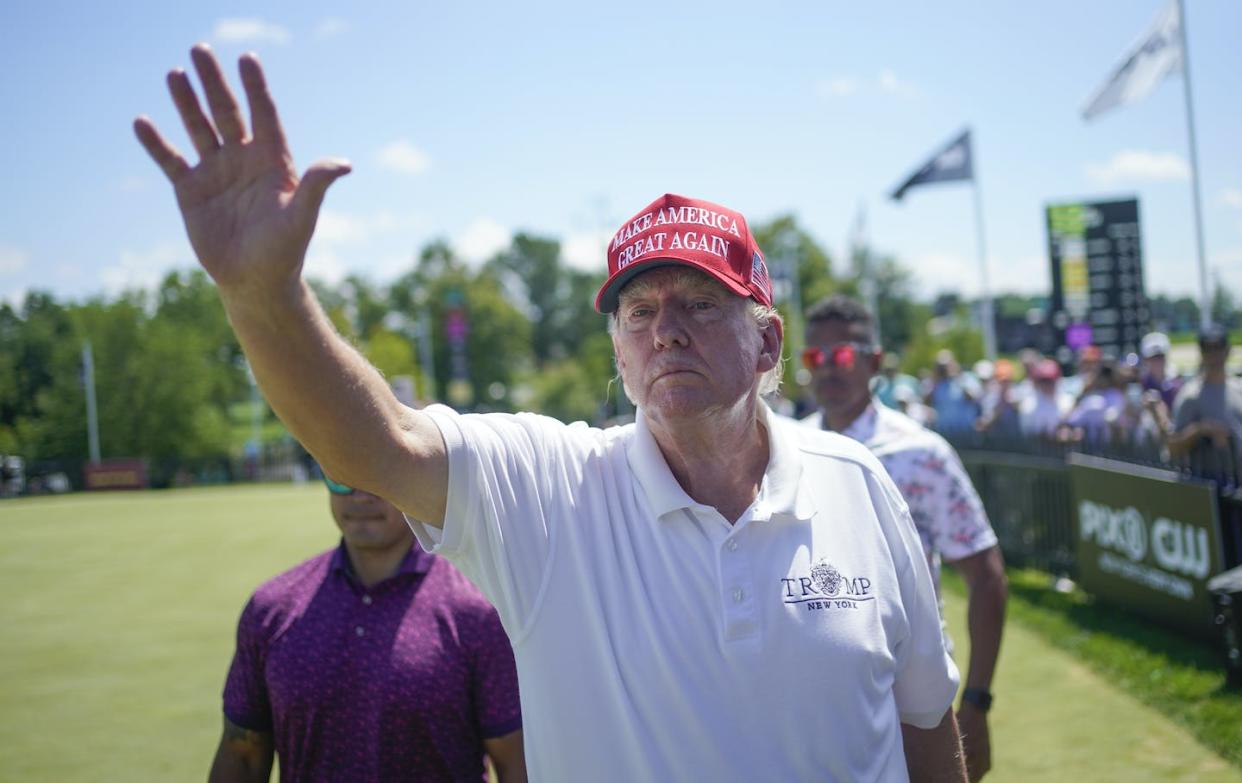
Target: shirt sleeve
(960, 523)
(246, 702)
(497, 707)
(926, 680)
(495, 527)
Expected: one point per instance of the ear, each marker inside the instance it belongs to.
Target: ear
(773, 339)
(876, 360)
(616, 354)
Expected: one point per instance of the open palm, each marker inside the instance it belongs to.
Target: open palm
(248, 215)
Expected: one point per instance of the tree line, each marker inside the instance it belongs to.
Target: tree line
(518, 332)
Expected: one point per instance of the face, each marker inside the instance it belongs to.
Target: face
(368, 522)
(687, 347)
(1214, 355)
(1155, 365)
(842, 384)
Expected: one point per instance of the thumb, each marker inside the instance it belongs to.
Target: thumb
(308, 197)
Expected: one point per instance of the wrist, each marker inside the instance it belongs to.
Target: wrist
(980, 698)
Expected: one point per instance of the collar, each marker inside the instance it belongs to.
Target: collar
(416, 562)
(863, 428)
(780, 493)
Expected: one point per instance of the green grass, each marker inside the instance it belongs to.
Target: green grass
(1180, 678)
(119, 612)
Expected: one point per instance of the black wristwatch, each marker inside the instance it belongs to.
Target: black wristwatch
(980, 697)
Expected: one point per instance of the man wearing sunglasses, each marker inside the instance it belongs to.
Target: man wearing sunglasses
(842, 357)
(373, 661)
(709, 593)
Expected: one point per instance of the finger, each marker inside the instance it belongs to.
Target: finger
(163, 153)
(202, 133)
(309, 195)
(220, 98)
(264, 120)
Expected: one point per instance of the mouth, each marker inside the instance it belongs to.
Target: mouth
(364, 517)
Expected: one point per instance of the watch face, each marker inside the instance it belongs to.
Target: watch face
(978, 697)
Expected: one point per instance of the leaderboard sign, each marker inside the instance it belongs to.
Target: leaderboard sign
(1097, 277)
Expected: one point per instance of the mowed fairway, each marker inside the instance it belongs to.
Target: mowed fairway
(118, 614)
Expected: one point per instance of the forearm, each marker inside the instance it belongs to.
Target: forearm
(934, 755)
(331, 399)
(243, 756)
(985, 620)
(232, 769)
(1181, 441)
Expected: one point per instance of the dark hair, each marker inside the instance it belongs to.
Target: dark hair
(844, 309)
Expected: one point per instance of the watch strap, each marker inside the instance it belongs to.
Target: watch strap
(979, 697)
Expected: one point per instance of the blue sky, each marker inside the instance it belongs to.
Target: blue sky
(469, 121)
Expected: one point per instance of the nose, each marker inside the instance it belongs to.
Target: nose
(363, 498)
(668, 329)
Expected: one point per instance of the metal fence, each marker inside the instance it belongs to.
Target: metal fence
(1025, 487)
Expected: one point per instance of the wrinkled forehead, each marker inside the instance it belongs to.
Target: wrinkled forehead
(673, 276)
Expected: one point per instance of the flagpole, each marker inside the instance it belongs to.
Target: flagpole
(985, 309)
(1205, 305)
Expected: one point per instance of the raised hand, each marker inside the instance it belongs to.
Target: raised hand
(248, 215)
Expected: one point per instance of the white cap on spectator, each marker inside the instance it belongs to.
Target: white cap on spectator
(1155, 344)
(983, 370)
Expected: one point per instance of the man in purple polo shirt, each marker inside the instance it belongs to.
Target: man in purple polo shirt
(374, 661)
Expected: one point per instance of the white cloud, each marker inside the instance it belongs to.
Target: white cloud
(145, 269)
(1229, 257)
(886, 82)
(1139, 166)
(404, 157)
(481, 240)
(330, 28)
(837, 87)
(939, 271)
(133, 184)
(342, 228)
(241, 30)
(15, 298)
(1232, 197)
(12, 260)
(586, 251)
(889, 83)
(325, 264)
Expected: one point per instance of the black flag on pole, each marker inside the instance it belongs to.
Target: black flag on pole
(954, 162)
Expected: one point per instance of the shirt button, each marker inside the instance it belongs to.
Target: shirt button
(366, 599)
(732, 544)
(360, 631)
(738, 595)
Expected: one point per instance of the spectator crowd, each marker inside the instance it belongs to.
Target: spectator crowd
(1139, 404)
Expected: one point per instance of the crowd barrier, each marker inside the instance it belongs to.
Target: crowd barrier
(1128, 524)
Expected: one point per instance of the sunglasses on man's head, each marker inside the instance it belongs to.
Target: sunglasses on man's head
(337, 488)
(842, 355)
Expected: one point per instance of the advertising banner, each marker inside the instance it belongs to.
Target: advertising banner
(1097, 277)
(1147, 540)
(116, 474)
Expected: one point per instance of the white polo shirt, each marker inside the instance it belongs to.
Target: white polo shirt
(945, 507)
(656, 642)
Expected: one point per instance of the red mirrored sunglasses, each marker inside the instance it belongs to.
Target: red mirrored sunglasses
(841, 355)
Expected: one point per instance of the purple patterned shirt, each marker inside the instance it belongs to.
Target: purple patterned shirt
(401, 681)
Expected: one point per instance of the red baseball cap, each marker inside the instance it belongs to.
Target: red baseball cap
(678, 230)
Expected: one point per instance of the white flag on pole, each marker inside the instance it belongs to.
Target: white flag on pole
(1156, 55)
